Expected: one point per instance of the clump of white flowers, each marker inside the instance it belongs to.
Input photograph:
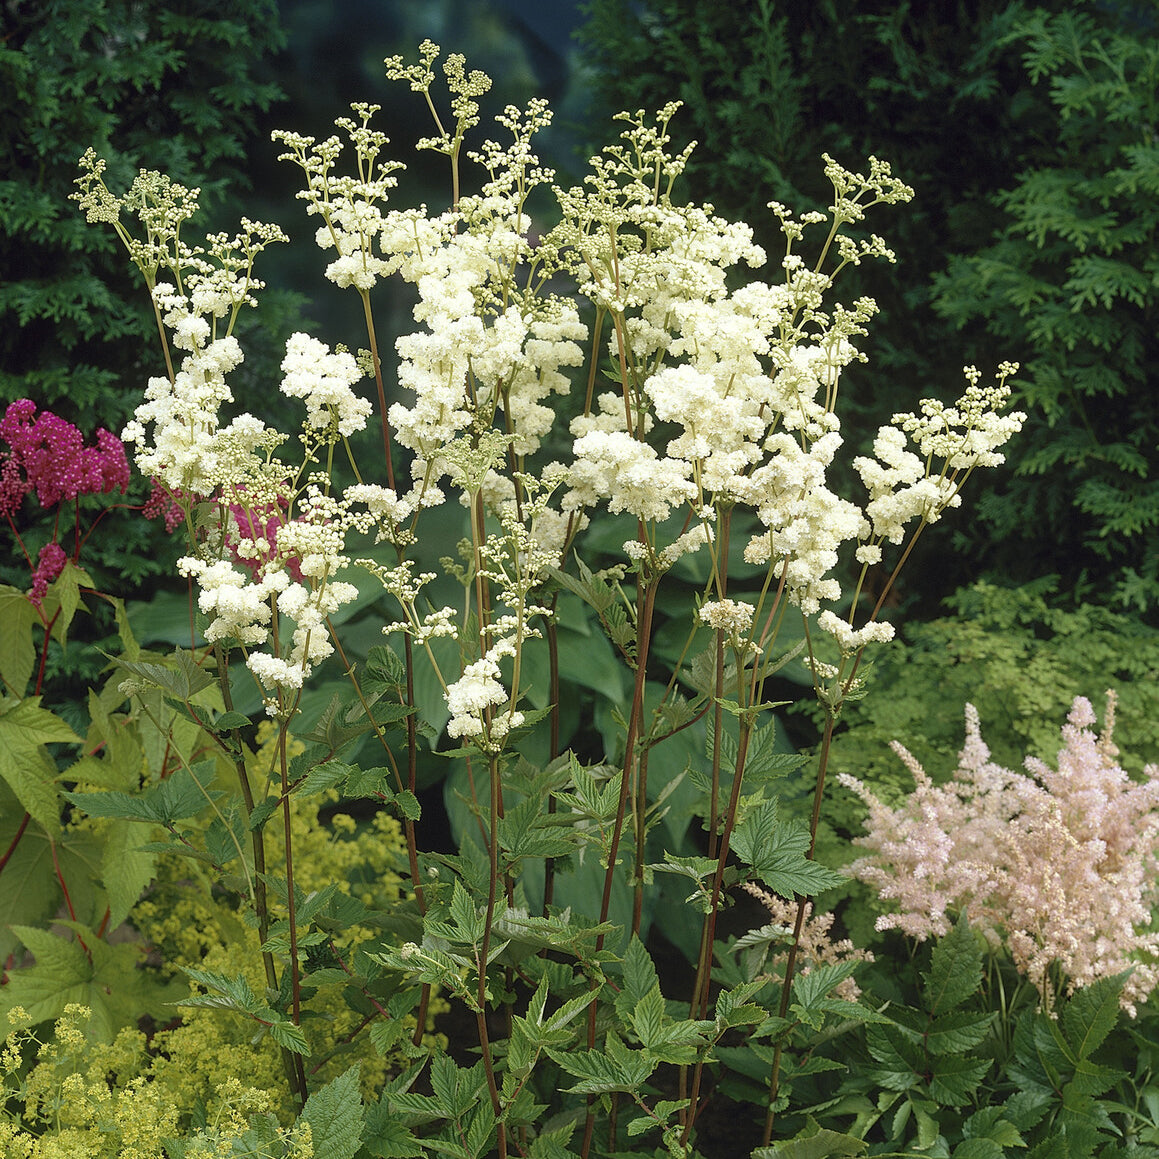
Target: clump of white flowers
(724, 395)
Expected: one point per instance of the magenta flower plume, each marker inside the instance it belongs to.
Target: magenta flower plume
(49, 564)
(48, 455)
(165, 504)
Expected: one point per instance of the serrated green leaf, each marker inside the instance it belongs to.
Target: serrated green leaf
(23, 764)
(647, 1016)
(954, 1079)
(1091, 1013)
(17, 650)
(231, 720)
(603, 1071)
(105, 980)
(335, 1114)
(821, 1144)
(66, 589)
(955, 969)
(385, 1136)
(181, 679)
(639, 972)
(30, 892)
(978, 1149)
(957, 1031)
(126, 871)
(179, 796)
(286, 1034)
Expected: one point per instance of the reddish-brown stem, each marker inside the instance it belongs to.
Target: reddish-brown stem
(67, 896)
(44, 653)
(742, 745)
(643, 638)
(15, 841)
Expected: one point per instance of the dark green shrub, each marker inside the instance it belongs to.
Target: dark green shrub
(1069, 284)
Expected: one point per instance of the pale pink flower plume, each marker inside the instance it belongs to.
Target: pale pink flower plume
(1059, 864)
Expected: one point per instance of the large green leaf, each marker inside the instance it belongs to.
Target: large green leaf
(822, 1144)
(17, 650)
(23, 763)
(104, 978)
(29, 892)
(126, 869)
(955, 969)
(335, 1116)
(1091, 1013)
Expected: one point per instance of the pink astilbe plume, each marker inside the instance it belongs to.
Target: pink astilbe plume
(1057, 864)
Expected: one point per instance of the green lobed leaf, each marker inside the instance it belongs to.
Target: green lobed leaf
(66, 589)
(182, 794)
(30, 890)
(126, 871)
(23, 763)
(603, 1071)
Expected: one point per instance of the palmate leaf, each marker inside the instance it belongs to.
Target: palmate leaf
(105, 979)
(236, 995)
(182, 679)
(17, 651)
(30, 890)
(616, 1068)
(182, 794)
(126, 870)
(776, 850)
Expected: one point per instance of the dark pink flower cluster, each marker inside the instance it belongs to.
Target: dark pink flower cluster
(47, 455)
(49, 564)
(261, 522)
(164, 503)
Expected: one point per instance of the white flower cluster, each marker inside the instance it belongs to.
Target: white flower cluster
(903, 486)
(324, 381)
(732, 616)
(475, 694)
(188, 449)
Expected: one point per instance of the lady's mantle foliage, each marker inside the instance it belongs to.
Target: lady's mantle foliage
(1060, 863)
